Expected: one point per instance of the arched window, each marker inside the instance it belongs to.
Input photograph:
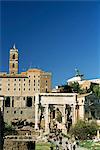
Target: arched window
(13, 65)
(29, 102)
(7, 102)
(13, 57)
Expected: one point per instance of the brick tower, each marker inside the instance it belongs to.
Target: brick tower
(13, 60)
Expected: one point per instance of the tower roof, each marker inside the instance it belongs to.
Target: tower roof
(14, 47)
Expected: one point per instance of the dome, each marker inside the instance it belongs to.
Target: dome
(74, 79)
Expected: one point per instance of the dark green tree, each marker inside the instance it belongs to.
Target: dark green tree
(75, 87)
(84, 130)
(96, 90)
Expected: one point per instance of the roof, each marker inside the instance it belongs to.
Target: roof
(74, 79)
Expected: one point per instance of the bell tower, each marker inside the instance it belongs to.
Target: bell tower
(13, 60)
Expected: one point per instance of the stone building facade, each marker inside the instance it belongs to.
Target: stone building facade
(19, 89)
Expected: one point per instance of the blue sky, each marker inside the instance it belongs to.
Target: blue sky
(53, 36)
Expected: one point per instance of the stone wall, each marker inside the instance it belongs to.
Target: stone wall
(19, 113)
(9, 144)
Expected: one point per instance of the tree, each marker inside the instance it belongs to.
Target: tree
(84, 130)
(66, 89)
(96, 90)
(9, 129)
(75, 87)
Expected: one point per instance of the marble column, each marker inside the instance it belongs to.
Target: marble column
(73, 115)
(46, 119)
(64, 115)
(64, 130)
(81, 112)
(36, 111)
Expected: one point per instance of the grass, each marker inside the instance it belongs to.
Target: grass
(90, 145)
(43, 146)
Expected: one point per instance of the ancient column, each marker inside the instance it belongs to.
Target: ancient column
(36, 111)
(73, 114)
(64, 115)
(46, 119)
(64, 119)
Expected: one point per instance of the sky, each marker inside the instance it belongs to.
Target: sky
(55, 36)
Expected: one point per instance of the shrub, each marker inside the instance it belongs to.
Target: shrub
(84, 130)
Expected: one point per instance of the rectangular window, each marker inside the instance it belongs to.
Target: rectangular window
(21, 112)
(14, 112)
